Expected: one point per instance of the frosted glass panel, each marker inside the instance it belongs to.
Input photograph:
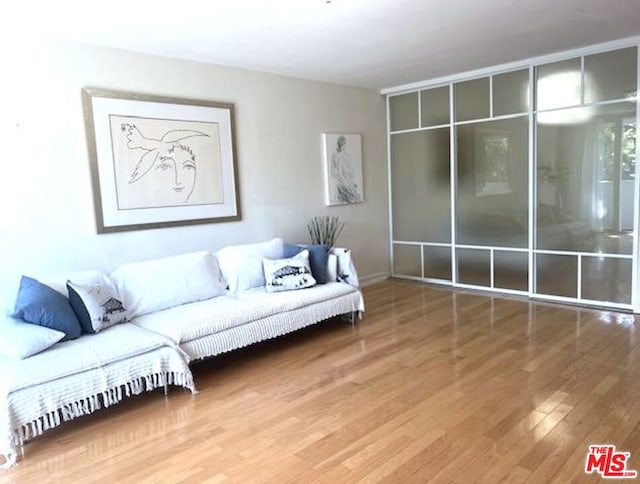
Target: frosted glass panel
(585, 171)
(559, 84)
(611, 75)
(437, 262)
(606, 279)
(474, 267)
(435, 106)
(511, 93)
(472, 99)
(511, 270)
(557, 275)
(403, 111)
(420, 178)
(493, 182)
(582, 179)
(406, 260)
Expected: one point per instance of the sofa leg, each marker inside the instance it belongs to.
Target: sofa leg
(166, 389)
(21, 449)
(353, 317)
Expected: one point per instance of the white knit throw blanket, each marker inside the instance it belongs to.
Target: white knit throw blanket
(78, 377)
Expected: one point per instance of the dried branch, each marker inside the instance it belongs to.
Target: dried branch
(325, 230)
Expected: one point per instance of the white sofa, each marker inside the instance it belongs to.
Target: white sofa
(174, 321)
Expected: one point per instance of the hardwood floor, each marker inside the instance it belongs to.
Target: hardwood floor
(431, 386)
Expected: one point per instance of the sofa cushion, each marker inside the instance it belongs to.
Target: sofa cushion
(318, 258)
(288, 274)
(39, 304)
(153, 285)
(241, 265)
(97, 306)
(202, 318)
(22, 340)
(291, 300)
(66, 358)
(290, 311)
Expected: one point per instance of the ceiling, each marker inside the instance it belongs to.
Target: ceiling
(369, 43)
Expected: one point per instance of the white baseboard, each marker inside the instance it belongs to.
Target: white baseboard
(373, 279)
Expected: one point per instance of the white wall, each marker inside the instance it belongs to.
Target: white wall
(47, 222)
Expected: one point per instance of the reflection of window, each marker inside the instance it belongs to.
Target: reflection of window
(562, 89)
(614, 135)
(628, 150)
(615, 165)
(492, 162)
(607, 151)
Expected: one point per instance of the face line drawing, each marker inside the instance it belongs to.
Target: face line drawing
(158, 152)
(179, 168)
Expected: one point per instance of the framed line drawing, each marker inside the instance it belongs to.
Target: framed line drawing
(343, 168)
(160, 161)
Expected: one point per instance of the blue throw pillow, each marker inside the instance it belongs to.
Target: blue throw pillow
(38, 304)
(318, 257)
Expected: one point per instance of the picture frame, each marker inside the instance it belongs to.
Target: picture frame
(343, 168)
(160, 161)
(492, 162)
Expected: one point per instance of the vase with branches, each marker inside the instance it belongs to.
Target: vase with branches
(325, 230)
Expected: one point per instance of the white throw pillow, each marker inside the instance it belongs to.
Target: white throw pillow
(241, 265)
(97, 306)
(288, 274)
(346, 270)
(332, 268)
(59, 282)
(22, 340)
(150, 286)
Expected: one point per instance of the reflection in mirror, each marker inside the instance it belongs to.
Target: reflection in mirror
(492, 162)
(511, 93)
(472, 99)
(557, 275)
(403, 111)
(511, 270)
(611, 75)
(407, 260)
(437, 262)
(474, 267)
(493, 182)
(421, 186)
(559, 84)
(606, 279)
(435, 106)
(585, 181)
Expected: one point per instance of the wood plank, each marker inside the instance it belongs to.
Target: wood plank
(433, 385)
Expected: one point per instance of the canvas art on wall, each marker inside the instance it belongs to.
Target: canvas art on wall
(159, 162)
(343, 168)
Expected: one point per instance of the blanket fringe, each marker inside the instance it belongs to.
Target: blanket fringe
(10, 460)
(90, 404)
